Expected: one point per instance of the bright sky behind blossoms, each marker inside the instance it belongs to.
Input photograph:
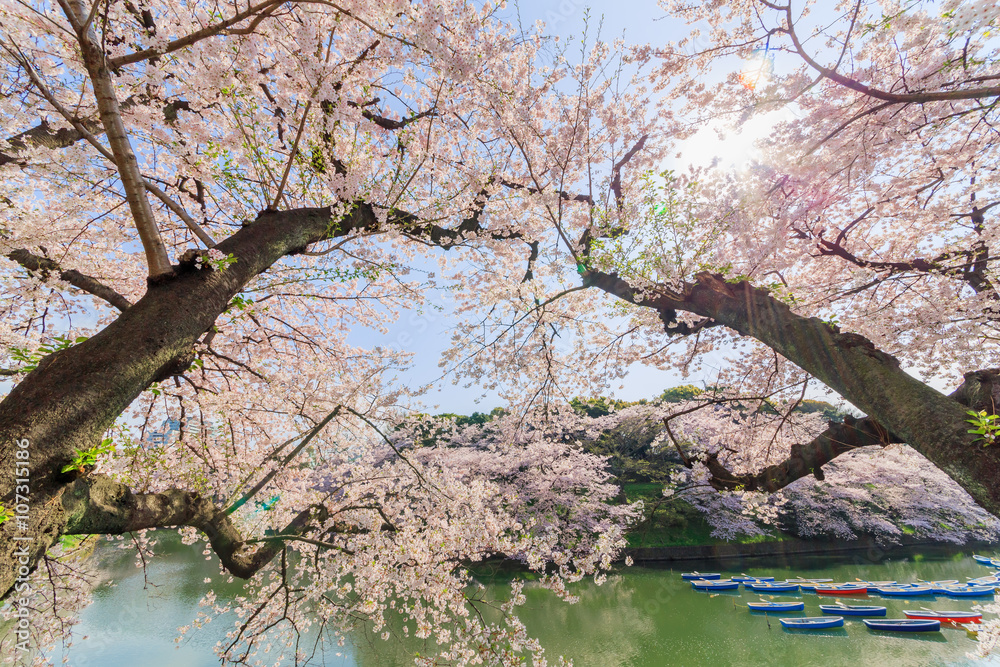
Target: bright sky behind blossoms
(426, 333)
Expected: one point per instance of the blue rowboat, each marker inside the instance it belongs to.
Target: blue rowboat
(938, 584)
(968, 591)
(699, 575)
(773, 587)
(943, 590)
(904, 591)
(985, 560)
(704, 585)
(813, 622)
(985, 581)
(880, 583)
(904, 625)
(776, 606)
(852, 609)
(744, 579)
(808, 581)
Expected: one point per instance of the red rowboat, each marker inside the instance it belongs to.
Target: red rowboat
(945, 616)
(842, 590)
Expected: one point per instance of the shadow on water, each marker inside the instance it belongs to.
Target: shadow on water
(911, 636)
(832, 632)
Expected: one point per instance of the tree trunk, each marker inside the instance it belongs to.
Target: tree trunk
(850, 364)
(76, 394)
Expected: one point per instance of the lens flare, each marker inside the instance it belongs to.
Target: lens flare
(757, 70)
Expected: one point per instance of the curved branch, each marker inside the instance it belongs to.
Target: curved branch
(848, 363)
(97, 505)
(804, 459)
(895, 98)
(194, 37)
(44, 265)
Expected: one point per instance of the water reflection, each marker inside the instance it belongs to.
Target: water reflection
(640, 617)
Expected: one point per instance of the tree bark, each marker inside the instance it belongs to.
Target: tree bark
(849, 364)
(75, 394)
(97, 505)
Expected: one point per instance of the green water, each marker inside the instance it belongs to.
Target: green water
(642, 616)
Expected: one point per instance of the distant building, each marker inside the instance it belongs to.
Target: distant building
(169, 431)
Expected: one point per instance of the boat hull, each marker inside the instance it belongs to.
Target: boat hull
(901, 592)
(715, 586)
(842, 590)
(773, 588)
(812, 622)
(776, 606)
(852, 610)
(904, 625)
(945, 616)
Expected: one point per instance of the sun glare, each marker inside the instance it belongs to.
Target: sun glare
(757, 70)
(726, 146)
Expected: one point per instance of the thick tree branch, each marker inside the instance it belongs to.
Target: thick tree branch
(849, 364)
(979, 391)
(968, 272)
(43, 135)
(45, 266)
(74, 395)
(97, 505)
(804, 459)
(182, 42)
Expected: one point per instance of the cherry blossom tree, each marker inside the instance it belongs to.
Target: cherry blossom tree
(200, 203)
(857, 248)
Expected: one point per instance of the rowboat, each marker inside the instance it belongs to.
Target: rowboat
(938, 584)
(985, 560)
(943, 590)
(968, 591)
(852, 609)
(776, 606)
(904, 625)
(945, 616)
(700, 575)
(904, 591)
(744, 579)
(800, 582)
(842, 589)
(985, 581)
(812, 622)
(773, 587)
(722, 585)
(880, 583)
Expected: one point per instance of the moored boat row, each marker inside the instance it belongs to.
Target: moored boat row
(917, 620)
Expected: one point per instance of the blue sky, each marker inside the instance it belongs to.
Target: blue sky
(427, 333)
